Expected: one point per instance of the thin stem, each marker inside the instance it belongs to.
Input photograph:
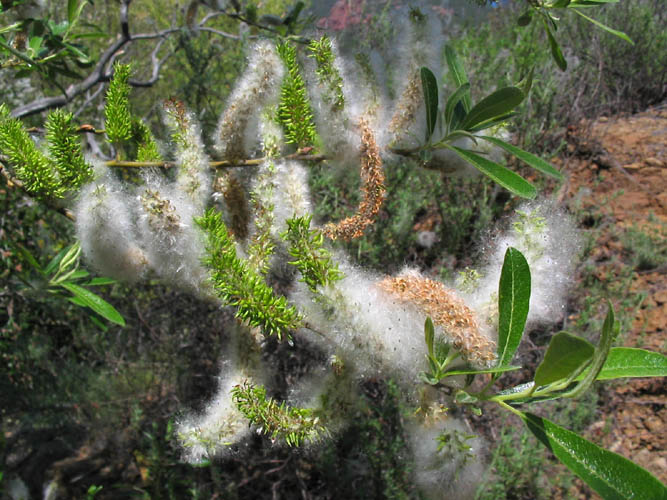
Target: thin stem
(215, 164)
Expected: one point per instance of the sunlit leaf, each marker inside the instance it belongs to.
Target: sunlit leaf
(534, 161)
(95, 302)
(503, 176)
(458, 74)
(611, 475)
(499, 103)
(565, 354)
(631, 362)
(430, 89)
(513, 304)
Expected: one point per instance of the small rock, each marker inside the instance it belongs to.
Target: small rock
(654, 162)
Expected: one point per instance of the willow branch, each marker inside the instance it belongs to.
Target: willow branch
(216, 164)
(100, 72)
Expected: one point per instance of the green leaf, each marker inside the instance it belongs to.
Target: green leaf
(459, 75)
(534, 161)
(614, 32)
(503, 176)
(71, 10)
(499, 369)
(454, 110)
(429, 334)
(525, 18)
(631, 362)
(513, 303)
(556, 53)
(611, 475)
(493, 122)
(599, 356)
(430, 89)
(78, 274)
(95, 302)
(51, 266)
(566, 353)
(25, 253)
(492, 106)
(101, 281)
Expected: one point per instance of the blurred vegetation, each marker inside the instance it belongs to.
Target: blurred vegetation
(88, 407)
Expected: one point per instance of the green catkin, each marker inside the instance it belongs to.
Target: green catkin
(65, 150)
(31, 166)
(237, 284)
(118, 121)
(294, 112)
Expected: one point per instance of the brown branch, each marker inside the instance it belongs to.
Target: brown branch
(100, 72)
(215, 164)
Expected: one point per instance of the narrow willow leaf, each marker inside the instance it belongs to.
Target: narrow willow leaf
(566, 353)
(534, 161)
(51, 266)
(459, 75)
(430, 89)
(503, 176)
(78, 274)
(599, 356)
(590, 3)
(101, 281)
(614, 32)
(513, 303)
(527, 83)
(429, 334)
(95, 302)
(500, 369)
(71, 10)
(493, 122)
(556, 53)
(611, 475)
(492, 106)
(454, 111)
(631, 362)
(525, 18)
(30, 258)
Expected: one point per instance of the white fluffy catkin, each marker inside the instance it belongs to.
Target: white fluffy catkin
(237, 132)
(105, 228)
(373, 333)
(550, 241)
(169, 235)
(194, 175)
(452, 472)
(212, 433)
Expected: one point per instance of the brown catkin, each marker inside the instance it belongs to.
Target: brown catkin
(372, 190)
(447, 311)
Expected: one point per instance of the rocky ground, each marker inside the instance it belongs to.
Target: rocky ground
(618, 177)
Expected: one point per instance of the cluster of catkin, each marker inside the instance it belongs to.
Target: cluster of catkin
(368, 325)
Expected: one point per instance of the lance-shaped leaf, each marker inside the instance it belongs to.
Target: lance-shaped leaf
(534, 161)
(492, 106)
(500, 369)
(566, 354)
(430, 89)
(513, 303)
(611, 475)
(556, 53)
(614, 32)
(454, 110)
(630, 362)
(503, 176)
(94, 302)
(599, 356)
(459, 75)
